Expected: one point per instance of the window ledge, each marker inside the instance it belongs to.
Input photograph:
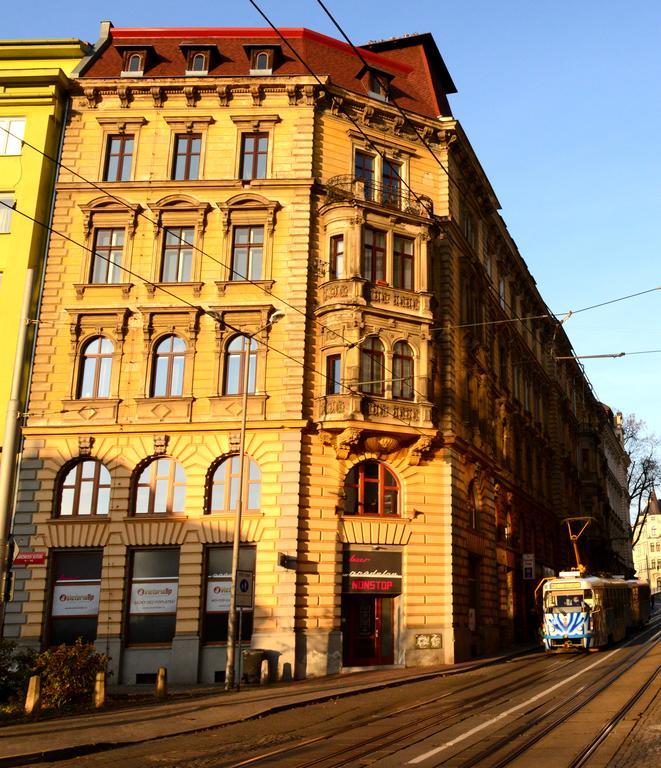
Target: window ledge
(223, 285)
(194, 286)
(92, 409)
(125, 288)
(164, 409)
(68, 519)
(175, 516)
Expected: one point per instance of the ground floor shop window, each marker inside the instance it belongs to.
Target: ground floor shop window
(76, 585)
(154, 584)
(217, 593)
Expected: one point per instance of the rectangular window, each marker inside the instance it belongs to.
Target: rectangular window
(333, 375)
(364, 171)
(187, 149)
(6, 207)
(119, 156)
(336, 262)
(12, 130)
(391, 180)
(152, 599)
(107, 259)
(217, 594)
(247, 253)
(501, 292)
(254, 151)
(76, 586)
(177, 262)
(373, 267)
(403, 263)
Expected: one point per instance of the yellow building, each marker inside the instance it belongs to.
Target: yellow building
(408, 439)
(33, 102)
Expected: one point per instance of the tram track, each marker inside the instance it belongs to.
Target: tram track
(453, 715)
(482, 758)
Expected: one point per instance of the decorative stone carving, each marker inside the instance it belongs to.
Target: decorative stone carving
(85, 444)
(257, 93)
(125, 96)
(368, 115)
(382, 444)
(347, 441)
(92, 96)
(417, 451)
(161, 444)
(292, 95)
(158, 95)
(190, 92)
(235, 441)
(224, 95)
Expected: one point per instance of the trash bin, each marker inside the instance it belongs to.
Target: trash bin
(252, 664)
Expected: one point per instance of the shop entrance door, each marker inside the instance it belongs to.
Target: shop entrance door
(368, 630)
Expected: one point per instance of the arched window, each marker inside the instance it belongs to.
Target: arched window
(262, 60)
(241, 352)
(402, 371)
(224, 487)
(371, 489)
(161, 488)
(134, 63)
(169, 363)
(473, 506)
(85, 490)
(95, 368)
(372, 367)
(199, 62)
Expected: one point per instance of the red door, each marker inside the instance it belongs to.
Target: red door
(368, 630)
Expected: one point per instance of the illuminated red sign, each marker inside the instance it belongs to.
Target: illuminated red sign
(30, 558)
(372, 572)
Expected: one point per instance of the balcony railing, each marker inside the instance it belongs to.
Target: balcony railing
(341, 188)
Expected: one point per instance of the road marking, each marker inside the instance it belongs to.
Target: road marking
(508, 712)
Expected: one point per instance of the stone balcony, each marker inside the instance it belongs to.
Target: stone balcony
(354, 292)
(394, 197)
(380, 410)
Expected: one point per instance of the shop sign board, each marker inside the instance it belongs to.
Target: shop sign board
(29, 558)
(153, 597)
(71, 598)
(372, 572)
(528, 562)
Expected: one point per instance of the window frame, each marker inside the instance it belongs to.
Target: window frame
(382, 489)
(336, 256)
(401, 382)
(131, 580)
(230, 485)
(152, 465)
(253, 157)
(188, 137)
(6, 211)
(372, 359)
(251, 248)
(252, 354)
(376, 276)
(247, 562)
(120, 175)
(333, 383)
(400, 260)
(182, 244)
(98, 483)
(91, 583)
(10, 138)
(171, 357)
(99, 359)
(111, 265)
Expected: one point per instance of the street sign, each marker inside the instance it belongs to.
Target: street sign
(23, 558)
(245, 582)
(528, 562)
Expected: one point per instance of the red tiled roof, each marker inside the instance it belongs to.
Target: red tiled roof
(415, 85)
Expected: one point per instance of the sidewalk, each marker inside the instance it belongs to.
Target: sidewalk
(196, 708)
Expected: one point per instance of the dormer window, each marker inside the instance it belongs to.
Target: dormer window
(261, 61)
(198, 63)
(134, 60)
(378, 85)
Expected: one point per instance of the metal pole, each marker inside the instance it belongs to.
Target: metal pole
(238, 682)
(12, 432)
(236, 543)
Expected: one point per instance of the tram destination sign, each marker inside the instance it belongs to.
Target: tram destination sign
(372, 572)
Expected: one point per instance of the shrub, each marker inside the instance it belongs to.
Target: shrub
(68, 673)
(15, 670)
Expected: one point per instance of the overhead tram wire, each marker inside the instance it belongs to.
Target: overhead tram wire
(244, 278)
(210, 313)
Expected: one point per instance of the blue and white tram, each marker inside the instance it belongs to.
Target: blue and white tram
(587, 612)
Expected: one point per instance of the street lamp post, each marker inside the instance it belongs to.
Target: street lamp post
(236, 543)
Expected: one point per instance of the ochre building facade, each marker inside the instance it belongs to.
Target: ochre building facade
(410, 434)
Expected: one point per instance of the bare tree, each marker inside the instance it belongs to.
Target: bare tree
(644, 471)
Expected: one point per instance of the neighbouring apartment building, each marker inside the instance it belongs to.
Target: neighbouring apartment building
(412, 439)
(647, 549)
(33, 97)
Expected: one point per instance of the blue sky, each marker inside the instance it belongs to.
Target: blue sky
(561, 103)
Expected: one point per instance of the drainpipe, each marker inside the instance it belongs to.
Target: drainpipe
(11, 448)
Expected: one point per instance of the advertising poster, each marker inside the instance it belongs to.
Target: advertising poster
(76, 599)
(218, 595)
(153, 597)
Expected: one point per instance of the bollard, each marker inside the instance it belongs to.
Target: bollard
(33, 699)
(99, 690)
(264, 672)
(162, 683)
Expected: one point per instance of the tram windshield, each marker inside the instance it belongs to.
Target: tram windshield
(568, 602)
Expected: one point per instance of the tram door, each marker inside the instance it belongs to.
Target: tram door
(368, 630)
